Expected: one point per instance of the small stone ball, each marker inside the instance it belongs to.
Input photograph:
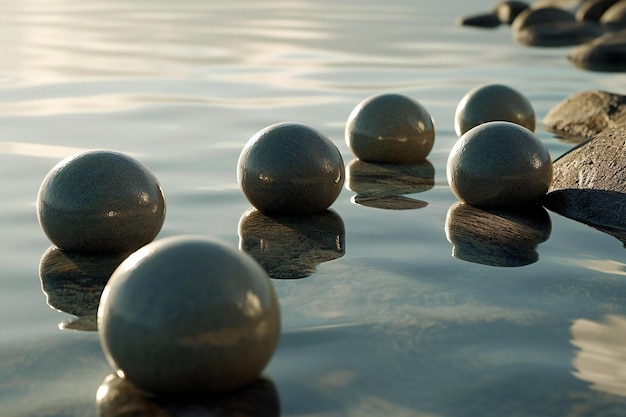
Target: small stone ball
(500, 165)
(100, 201)
(290, 168)
(189, 314)
(390, 128)
(493, 102)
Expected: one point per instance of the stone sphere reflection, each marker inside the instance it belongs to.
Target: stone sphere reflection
(290, 168)
(499, 164)
(187, 314)
(100, 201)
(390, 128)
(493, 102)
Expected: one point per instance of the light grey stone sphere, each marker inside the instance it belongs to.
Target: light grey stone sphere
(390, 128)
(290, 168)
(100, 201)
(499, 164)
(493, 102)
(189, 314)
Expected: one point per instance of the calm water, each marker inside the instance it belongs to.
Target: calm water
(392, 323)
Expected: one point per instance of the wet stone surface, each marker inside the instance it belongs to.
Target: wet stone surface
(606, 53)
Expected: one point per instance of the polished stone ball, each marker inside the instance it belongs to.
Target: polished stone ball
(499, 164)
(189, 314)
(290, 168)
(100, 201)
(493, 102)
(390, 128)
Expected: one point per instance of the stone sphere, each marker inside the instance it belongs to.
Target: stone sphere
(189, 314)
(290, 168)
(499, 164)
(390, 128)
(493, 102)
(100, 201)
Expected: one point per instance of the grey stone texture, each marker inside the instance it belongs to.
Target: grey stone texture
(189, 314)
(605, 53)
(390, 128)
(499, 165)
(290, 168)
(493, 102)
(587, 113)
(100, 201)
(589, 183)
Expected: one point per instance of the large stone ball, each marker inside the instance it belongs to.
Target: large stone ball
(390, 128)
(493, 102)
(499, 164)
(100, 201)
(189, 314)
(290, 168)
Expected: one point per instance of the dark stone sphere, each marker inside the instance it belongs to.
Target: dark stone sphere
(290, 168)
(499, 164)
(390, 128)
(189, 314)
(100, 201)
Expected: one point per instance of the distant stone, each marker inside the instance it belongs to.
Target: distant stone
(507, 11)
(592, 10)
(585, 114)
(390, 128)
(493, 102)
(100, 201)
(614, 18)
(487, 20)
(605, 53)
(290, 168)
(558, 34)
(188, 314)
(535, 16)
(499, 165)
(589, 183)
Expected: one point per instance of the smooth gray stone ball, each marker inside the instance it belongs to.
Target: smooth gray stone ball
(189, 314)
(390, 128)
(499, 164)
(100, 201)
(290, 168)
(493, 102)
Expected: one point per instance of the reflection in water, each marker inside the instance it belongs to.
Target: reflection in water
(73, 284)
(384, 185)
(601, 357)
(497, 237)
(291, 246)
(116, 397)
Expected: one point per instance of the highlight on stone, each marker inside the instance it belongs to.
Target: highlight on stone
(290, 168)
(189, 314)
(100, 201)
(493, 102)
(501, 165)
(390, 128)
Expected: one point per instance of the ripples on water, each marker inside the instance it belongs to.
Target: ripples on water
(389, 321)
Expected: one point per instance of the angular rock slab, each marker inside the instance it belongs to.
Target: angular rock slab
(585, 114)
(589, 183)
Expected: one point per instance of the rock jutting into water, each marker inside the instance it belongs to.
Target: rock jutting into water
(290, 168)
(606, 53)
(500, 165)
(189, 314)
(100, 201)
(493, 102)
(503, 13)
(585, 114)
(589, 183)
(390, 128)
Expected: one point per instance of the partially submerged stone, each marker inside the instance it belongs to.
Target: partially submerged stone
(589, 183)
(592, 10)
(605, 53)
(552, 26)
(507, 11)
(586, 114)
(486, 20)
(614, 18)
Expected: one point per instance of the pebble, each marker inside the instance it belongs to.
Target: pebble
(290, 168)
(189, 314)
(493, 102)
(390, 128)
(587, 113)
(100, 201)
(499, 164)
